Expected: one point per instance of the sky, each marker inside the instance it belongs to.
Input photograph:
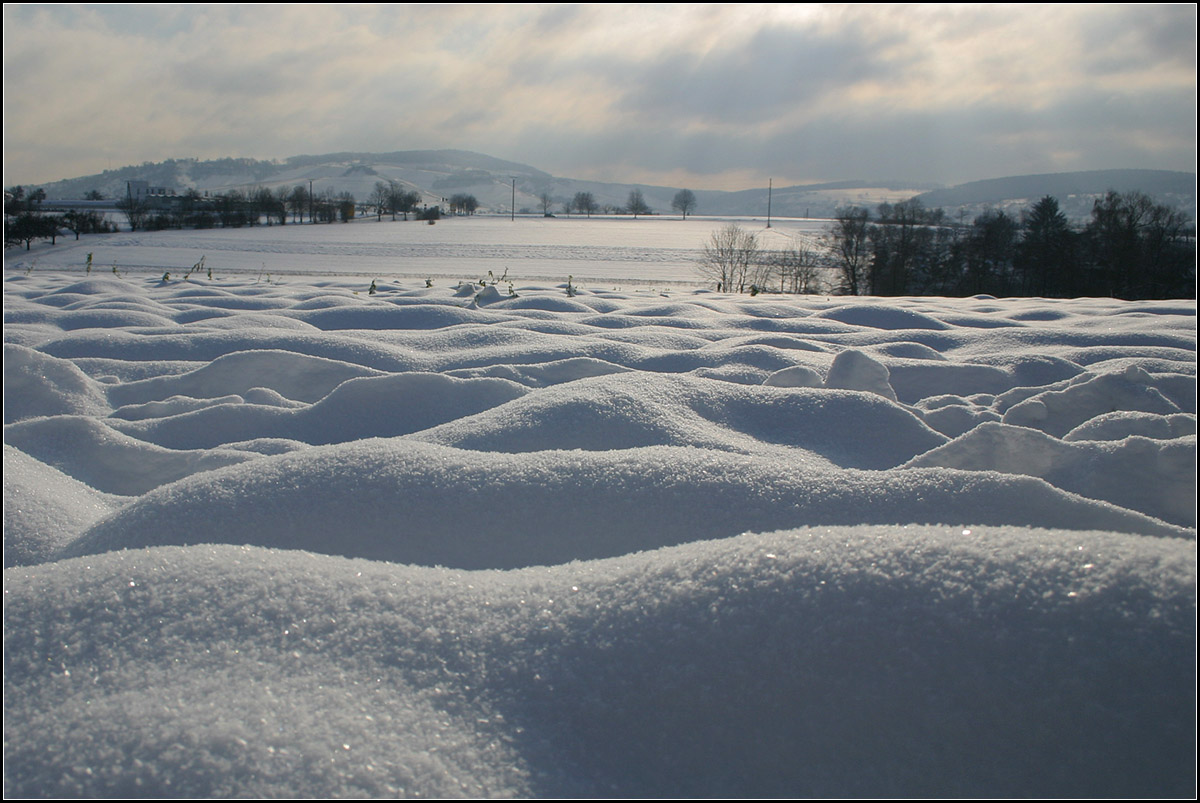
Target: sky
(708, 96)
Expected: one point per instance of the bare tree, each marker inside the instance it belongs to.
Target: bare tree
(231, 209)
(585, 202)
(637, 204)
(264, 204)
(381, 199)
(546, 202)
(24, 229)
(1139, 249)
(403, 201)
(797, 266)
(136, 209)
(298, 202)
(462, 203)
(729, 257)
(83, 222)
(684, 202)
(282, 199)
(849, 242)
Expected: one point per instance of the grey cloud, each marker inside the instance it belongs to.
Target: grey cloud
(1090, 130)
(240, 79)
(557, 17)
(1140, 36)
(751, 83)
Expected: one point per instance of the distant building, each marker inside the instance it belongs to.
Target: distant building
(142, 189)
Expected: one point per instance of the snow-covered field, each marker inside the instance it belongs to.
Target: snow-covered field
(621, 249)
(290, 538)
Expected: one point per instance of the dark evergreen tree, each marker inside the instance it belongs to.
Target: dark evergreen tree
(1047, 263)
(990, 252)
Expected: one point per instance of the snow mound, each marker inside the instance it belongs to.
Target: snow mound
(633, 409)
(1121, 424)
(108, 460)
(36, 385)
(554, 372)
(855, 370)
(300, 377)
(818, 662)
(1095, 469)
(798, 376)
(408, 502)
(387, 316)
(880, 316)
(367, 407)
(1057, 412)
(44, 509)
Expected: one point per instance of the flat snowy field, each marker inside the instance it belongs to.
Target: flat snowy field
(288, 538)
(621, 249)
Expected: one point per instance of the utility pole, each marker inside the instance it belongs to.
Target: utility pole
(513, 209)
(770, 181)
(310, 201)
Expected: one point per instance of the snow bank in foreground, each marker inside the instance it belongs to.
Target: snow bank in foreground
(296, 540)
(864, 661)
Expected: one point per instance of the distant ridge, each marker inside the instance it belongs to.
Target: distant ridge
(1060, 185)
(436, 174)
(425, 158)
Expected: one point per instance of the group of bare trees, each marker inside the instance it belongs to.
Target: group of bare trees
(735, 260)
(585, 203)
(24, 220)
(392, 198)
(1131, 248)
(462, 203)
(235, 209)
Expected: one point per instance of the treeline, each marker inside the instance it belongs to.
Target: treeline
(585, 203)
(24, 221)
(1132, 248)
(235, 209)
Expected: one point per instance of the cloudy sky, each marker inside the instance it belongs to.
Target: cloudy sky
(705, 96)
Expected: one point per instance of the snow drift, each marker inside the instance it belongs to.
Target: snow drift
(294, 539)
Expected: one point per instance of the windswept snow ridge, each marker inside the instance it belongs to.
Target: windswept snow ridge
(295, 538)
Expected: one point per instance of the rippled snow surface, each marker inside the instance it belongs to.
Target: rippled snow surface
(292, 538)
